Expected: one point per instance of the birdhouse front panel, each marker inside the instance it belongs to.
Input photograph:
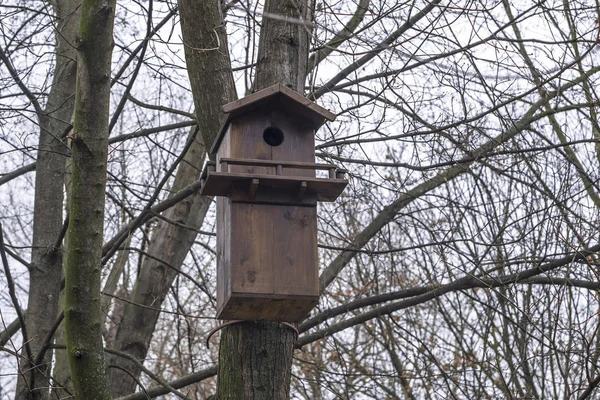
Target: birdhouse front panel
(297, 139)
(247, 143)
(274, 257)
(269, 134)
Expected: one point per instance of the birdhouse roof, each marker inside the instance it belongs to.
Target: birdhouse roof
(290, 100)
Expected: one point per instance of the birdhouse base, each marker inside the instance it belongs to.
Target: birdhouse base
(261, 307)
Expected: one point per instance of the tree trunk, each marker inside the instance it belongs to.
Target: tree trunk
(212, 84)
(170, 244)
(46, 258)
(283, 46)
(83, 317)
(255, 359)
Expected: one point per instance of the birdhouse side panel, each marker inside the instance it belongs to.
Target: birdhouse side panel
(223, 251)
(224, 150)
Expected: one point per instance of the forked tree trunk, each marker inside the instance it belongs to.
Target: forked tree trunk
(255, 358)
(46, 258)
(212, 84)
(262, 369)
(83, 317)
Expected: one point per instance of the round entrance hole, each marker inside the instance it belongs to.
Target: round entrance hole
(273, 136)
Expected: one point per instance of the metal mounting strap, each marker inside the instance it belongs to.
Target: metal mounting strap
(218, 328)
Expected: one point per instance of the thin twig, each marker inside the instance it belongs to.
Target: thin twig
(139, 365)
(13, 296)
(13, 73)
(109, 252)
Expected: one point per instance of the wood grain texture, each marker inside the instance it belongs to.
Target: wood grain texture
(246, 135)
(223, 250)
(272, 262)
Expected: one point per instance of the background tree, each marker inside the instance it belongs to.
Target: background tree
(461, 261)
(47, 231)
(89, 150)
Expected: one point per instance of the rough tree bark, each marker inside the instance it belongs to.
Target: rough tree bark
(255, 358)
(83, 317)
(46, 257)
(209, 69)
(283, 45)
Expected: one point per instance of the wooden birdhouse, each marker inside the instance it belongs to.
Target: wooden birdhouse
(269, 185)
